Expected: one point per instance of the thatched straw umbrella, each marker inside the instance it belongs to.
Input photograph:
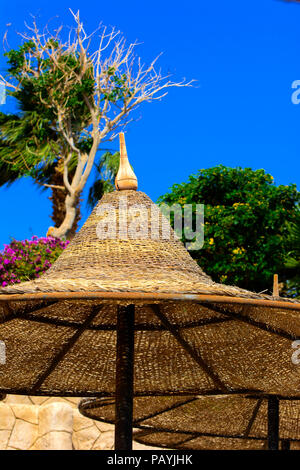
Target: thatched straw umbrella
(224, 422)
(118, 311)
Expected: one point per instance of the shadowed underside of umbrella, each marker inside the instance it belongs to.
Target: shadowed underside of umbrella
(69, 348)
(126, 275)
(174, 440)
(203, 422)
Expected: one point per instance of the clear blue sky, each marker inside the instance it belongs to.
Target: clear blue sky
(244, 56)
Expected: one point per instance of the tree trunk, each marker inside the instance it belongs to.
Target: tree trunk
(58, 199)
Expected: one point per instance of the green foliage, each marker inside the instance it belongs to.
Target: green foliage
(48, 83)
(246, 219)
(56, 81)
(26, 144)
(30, 143)
(293, 260)
(16, 57)
(119, 89)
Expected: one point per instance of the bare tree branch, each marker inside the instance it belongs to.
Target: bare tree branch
(120, 83)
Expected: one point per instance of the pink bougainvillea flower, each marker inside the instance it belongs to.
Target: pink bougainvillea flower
(28, 259)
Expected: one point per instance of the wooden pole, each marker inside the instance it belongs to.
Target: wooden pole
(124, 378)
(273, 423)
(275, 286)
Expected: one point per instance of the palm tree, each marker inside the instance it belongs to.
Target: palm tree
(106, 171)
(29, 147)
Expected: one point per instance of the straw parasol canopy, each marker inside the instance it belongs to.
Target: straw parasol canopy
(223, 422)
(125, 306)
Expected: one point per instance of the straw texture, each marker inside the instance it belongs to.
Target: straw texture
(216, 422)
(126, 263)
(69, 348)
(60, 330)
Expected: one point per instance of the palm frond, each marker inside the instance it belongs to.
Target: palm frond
(106, 170)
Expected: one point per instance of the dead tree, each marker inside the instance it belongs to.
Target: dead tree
(112, 82)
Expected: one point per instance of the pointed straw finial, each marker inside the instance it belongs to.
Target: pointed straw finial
(125, 178)
(275, 286)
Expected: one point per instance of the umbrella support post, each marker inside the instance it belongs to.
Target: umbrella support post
(273, 423)
(124, 378)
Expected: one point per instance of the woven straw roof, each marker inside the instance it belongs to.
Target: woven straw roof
(191, 334)
(126, 265)
(207, 422)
